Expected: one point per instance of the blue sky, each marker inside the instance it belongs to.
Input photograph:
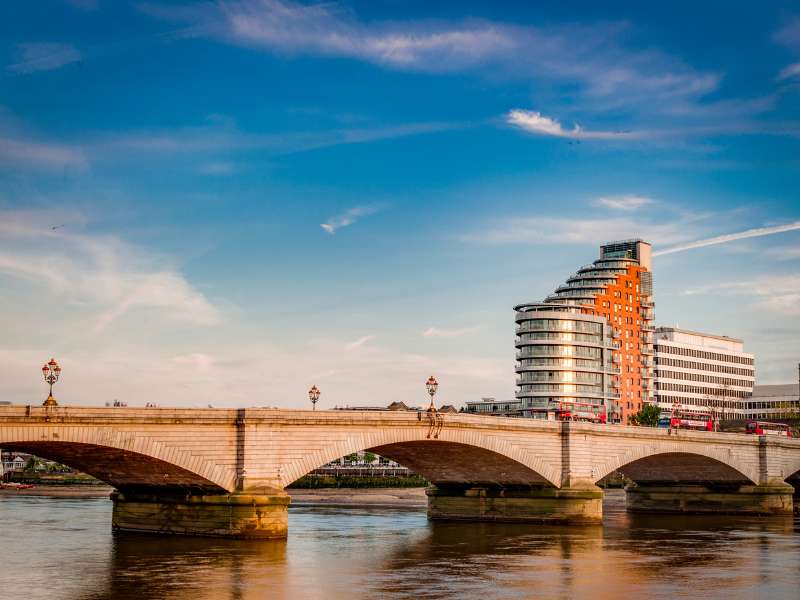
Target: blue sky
(226, 202)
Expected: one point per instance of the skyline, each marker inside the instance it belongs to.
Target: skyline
(228, 203)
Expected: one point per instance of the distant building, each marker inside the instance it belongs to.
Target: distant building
(774, 402)
(490, 406)
(588, 346)
(701, 372)
(392, 406)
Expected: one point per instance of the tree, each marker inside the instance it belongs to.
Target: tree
(647, 416)
(369, 457)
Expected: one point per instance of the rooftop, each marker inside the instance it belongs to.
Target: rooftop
(723, 338)
(784, 389)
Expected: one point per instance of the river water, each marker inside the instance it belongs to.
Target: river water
(54, 548)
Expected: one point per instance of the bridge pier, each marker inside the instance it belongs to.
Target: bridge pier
(238, 515)
(507, 505)
(774, 499)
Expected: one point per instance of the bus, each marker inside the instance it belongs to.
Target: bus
(581, 411)
(684, 419)
(766, 428)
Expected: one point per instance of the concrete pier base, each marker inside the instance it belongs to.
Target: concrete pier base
(243, 516)
(544, 505)
(698, 499)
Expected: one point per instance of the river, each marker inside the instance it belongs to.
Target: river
(63, 548)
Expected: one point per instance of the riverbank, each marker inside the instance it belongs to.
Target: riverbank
(378, 497)
(60, 491)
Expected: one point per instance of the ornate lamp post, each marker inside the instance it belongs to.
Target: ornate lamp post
(313, 395)
(432, 384)
(51, 372)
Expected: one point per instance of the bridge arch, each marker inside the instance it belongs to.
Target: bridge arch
(121, 459)
(672, 462)
(457, 456)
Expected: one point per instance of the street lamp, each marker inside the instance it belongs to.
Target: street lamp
(313, 395)
(51, 372)
(432, 384)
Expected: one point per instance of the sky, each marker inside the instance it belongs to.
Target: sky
(226, 202)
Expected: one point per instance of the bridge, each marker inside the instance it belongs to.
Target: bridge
(225, 472)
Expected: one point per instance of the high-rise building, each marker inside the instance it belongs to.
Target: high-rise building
(704, 373)
(589, 344)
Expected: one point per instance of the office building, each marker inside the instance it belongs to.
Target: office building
(703, 373)
(773, 402)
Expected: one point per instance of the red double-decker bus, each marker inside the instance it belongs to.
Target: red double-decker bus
(766, 428)
(684, 419)
(581, 411)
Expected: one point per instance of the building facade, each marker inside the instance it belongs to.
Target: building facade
(774, 402)
(588, 346)
(702, 373)
(492, 406)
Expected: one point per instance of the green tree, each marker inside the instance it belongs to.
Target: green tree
(369, 457)
(647, 416)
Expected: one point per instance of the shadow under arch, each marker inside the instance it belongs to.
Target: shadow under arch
(126, 470)
(446, 463)
(682, 467)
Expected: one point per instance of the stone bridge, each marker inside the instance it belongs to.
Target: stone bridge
(225, 471)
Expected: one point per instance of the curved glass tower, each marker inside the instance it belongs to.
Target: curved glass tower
(587, 347)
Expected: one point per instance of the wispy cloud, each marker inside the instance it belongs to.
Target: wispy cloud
(43, 56)
(20, 152)
(626, 202)
(329, 30)
(577, 230)
(98, 273)
(536, 122)
(593, 56)
(350, 216)
(225, 137)
(789, 72)
(775, 293)
(359, 342)
(440, 332)
(219, 168)
(789, 34)
(730, 237)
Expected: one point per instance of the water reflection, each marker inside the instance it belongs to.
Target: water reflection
(63, 549)
(146, 566)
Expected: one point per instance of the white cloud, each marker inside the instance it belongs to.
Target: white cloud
(43, 56)
(730, 237)
(536, 122)
(784, 252)
(359, 342)
(627, 202)
(244, 372)
(576, 230)
(438, 332)
(348, 217)
(789, 72)
(591, 56)
(43, 155)
(774, 293)
(101, 274)
(219, 168)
